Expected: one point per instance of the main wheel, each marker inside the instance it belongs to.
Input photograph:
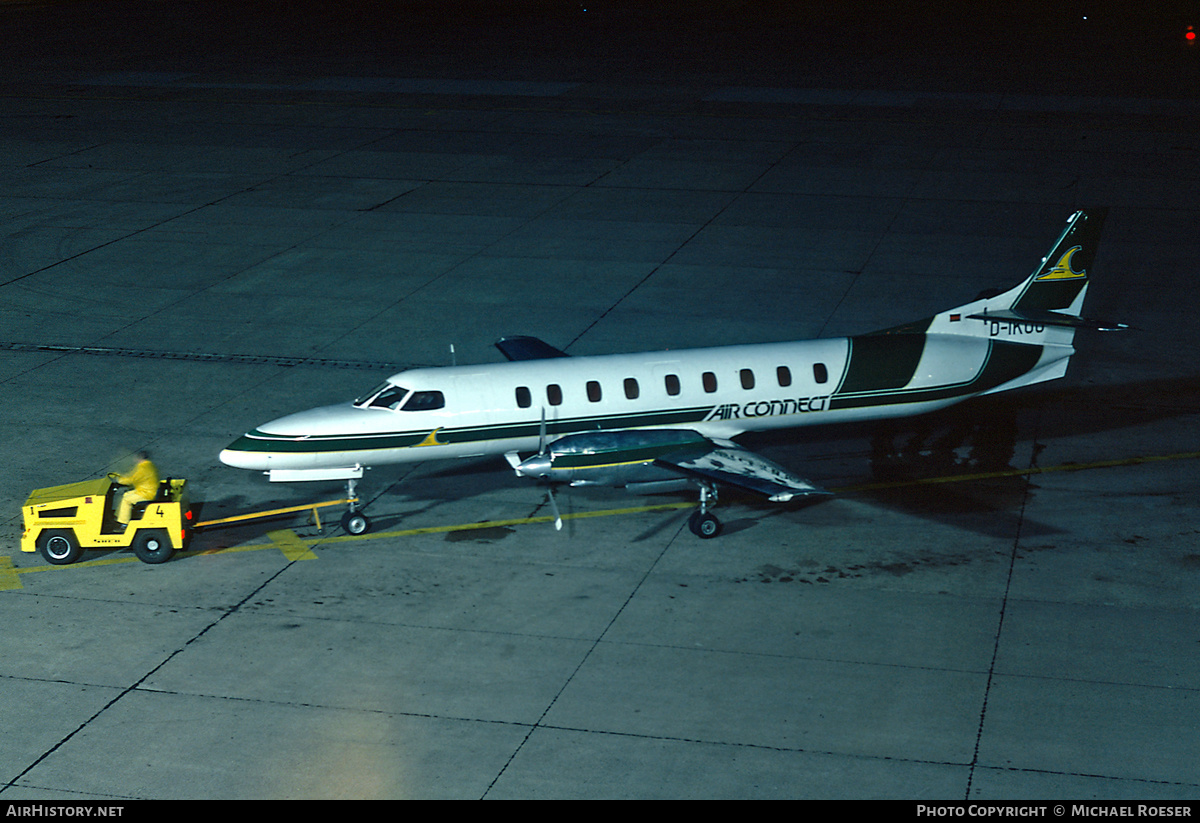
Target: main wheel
(59, 546)
(355, 523)
(704, 525)
(153, 546)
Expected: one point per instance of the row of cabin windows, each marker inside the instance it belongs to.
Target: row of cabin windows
(708, 380)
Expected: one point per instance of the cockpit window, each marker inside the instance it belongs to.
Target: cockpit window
(425, 401)
(363, 399)
(389, 396)
(385, 396)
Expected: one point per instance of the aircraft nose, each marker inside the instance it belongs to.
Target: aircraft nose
(230, 457)
(236, 455)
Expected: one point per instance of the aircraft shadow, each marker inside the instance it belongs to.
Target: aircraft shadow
(979, 437)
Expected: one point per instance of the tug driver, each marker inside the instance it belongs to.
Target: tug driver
(144, 480)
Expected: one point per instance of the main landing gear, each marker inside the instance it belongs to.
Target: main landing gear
(354, 521)
(704, 523)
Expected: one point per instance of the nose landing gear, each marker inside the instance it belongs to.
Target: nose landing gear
(354, 521)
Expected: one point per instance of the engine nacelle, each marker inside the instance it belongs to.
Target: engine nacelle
(609, 458)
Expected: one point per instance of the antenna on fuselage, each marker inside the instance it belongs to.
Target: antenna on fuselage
(453, 358)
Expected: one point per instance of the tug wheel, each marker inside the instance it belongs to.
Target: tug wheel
(153, 546)
(59, 546)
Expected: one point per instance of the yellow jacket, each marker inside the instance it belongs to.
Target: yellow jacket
(143, 478)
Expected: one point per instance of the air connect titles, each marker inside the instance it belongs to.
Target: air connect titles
(769, 408)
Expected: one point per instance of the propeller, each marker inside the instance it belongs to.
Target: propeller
(554, 507)
(549, 484)
(538, 466)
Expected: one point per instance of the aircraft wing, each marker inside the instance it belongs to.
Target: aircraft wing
(732, 465)
(527, 348)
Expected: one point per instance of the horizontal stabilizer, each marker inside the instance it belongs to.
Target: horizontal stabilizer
(527, 348)
(1044, 317)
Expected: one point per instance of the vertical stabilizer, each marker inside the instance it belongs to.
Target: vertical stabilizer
(1041, 314)
(1049, 299)
(1060, 283)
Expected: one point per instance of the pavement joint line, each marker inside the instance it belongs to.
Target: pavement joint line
(296, 547)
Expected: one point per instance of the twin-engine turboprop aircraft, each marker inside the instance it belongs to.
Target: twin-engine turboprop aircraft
(654, 421)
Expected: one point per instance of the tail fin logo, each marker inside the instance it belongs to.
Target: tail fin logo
(1062, 269)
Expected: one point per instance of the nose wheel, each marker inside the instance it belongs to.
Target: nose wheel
(704, 523)
(354, 521)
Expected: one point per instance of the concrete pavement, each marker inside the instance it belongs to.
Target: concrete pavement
(210, 225)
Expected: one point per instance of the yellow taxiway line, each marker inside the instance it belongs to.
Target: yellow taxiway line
(496, 524)
(295, 547)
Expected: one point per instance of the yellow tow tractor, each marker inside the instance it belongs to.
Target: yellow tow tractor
(62, 521)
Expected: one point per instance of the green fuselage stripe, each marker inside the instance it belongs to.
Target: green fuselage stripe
(258, 441)
(882, 362)
(1004, 362)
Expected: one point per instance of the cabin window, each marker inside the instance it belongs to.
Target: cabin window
(593, 391)
(554, 394)
(784, 375)
(709, 380)
(672, 382)
(425, 401)
(820, 373)
(747, 377)
(631, 388)
(524, 398)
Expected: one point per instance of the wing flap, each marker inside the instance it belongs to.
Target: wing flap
(735, 466)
